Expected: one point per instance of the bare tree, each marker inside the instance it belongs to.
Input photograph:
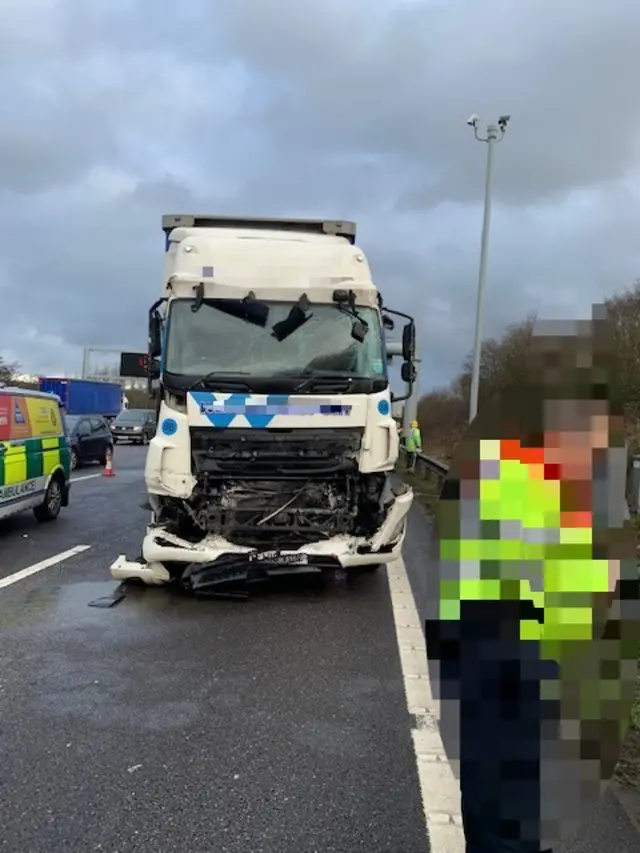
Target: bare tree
(107, 372)
(503, 361)
(139, 399)
(8, 371)
(624, 313)
(443, 414)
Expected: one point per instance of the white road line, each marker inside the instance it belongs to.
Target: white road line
(439, 788)
(43, 564)
(85, 477)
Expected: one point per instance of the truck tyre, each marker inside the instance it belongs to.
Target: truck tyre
(49, 509)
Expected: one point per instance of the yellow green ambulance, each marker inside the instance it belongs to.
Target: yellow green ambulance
(34, 454)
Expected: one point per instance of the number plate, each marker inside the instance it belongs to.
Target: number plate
(275, 557)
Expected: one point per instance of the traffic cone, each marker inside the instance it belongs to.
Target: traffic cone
(108, 466)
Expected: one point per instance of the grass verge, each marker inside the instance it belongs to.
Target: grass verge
(628, 767)
(426, 492)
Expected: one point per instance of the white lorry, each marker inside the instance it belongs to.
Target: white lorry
(275, 442)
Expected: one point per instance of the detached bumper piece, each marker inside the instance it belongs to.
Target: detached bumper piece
(233, 576)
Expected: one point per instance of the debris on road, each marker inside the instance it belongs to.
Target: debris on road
(108, 600)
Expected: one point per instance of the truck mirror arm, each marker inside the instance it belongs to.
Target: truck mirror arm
(154, 344)
(397, 314)
(401, 399)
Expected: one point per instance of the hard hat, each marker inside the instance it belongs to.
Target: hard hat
(414, 423)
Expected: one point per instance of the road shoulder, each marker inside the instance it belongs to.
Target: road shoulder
(629, 800)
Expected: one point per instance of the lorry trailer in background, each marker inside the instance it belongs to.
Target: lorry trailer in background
(275, 444)
(85, 397)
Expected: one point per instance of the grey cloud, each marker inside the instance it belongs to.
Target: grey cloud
(115, 114)
(567, 73)
(83, 82)
(97, 270)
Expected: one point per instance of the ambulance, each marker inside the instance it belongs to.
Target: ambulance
(35, 463)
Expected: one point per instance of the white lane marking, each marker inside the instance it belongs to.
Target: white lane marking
(92, 476)
(439, 789)
(43, 564)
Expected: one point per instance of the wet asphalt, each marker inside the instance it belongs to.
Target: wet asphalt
(163, 723)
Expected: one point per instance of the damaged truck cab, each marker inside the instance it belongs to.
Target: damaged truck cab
(275, 444)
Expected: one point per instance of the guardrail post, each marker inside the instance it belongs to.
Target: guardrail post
(633, 485)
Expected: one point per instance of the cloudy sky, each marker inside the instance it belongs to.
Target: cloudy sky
(114, 113)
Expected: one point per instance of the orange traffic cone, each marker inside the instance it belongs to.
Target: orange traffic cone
(108, 466)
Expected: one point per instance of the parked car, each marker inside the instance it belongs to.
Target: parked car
(89, 438)
(135, 425)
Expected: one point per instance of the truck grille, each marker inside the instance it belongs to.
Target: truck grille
(274, 453)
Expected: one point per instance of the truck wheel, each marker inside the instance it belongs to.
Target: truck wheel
(49, 509)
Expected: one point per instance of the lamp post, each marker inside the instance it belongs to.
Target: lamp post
(495, 134)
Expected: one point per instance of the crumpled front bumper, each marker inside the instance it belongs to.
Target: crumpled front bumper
(161, 548)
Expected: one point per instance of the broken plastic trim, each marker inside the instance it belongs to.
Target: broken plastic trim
(232, 575)
(296, 318)
(198, 299)
(249, 309)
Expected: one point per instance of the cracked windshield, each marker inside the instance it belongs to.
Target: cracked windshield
(211, 339)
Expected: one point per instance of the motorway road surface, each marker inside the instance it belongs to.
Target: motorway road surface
(277, 725)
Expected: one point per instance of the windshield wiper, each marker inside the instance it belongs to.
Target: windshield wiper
(215, 373)
(360, 327)
(249, 309)
(318, 375)
(198, 298)
(296, 318)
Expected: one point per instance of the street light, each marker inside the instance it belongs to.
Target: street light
(495, 134)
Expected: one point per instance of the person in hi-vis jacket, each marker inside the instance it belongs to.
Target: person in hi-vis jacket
(413, 445)
(532, 636)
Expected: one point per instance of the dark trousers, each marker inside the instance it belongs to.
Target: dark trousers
(495, 677)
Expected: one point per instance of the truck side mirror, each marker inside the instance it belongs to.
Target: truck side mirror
(155, 335)
(409, 342)
(154, 368)
(408, 372)
(359, 331)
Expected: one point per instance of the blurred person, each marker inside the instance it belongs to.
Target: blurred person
(413, 446)
(532, 637)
